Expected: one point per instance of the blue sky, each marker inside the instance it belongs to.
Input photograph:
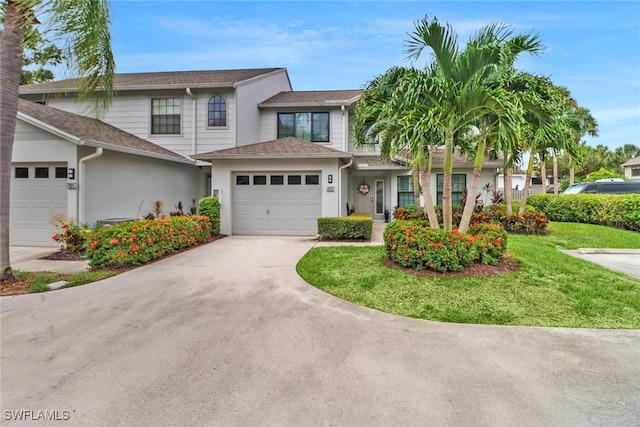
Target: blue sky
(592, 47)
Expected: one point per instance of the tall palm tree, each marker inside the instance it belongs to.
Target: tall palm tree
(458, 87)
(85, 27)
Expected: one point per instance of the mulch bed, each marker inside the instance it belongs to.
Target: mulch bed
(505, 265)
(21, 285)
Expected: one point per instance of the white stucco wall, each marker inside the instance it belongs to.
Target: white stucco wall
(222, 172)
(118, 185)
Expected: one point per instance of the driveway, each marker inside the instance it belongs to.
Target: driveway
(228, 334)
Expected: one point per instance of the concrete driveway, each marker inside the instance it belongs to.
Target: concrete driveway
(228, 334)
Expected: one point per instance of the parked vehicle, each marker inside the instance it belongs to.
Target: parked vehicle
(605, 187)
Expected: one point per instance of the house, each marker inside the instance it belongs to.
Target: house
(277, 158)
(632, 169)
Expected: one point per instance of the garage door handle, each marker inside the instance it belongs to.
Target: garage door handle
(267, 211)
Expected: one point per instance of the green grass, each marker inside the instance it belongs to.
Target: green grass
(41, 279)
(550, 289)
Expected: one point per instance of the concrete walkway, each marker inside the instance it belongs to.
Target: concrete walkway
(228, 334)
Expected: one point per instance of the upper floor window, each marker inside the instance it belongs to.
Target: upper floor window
(313, 127)
(217, 111)
(165, 116)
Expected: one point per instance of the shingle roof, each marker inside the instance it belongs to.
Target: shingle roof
(460, 160)
(632, 162)
(283, 148)
(94, 132)
(375, 162)
(158, 80)
(311, 98)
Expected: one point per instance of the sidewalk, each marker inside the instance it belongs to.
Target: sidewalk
(27, 258)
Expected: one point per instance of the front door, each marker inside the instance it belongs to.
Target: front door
(370, 197)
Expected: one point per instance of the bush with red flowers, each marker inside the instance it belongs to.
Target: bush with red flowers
(138, 242)
(414, 244)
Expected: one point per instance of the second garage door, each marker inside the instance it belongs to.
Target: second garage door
(276, 203)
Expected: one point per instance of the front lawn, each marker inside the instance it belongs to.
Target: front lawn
(550, 289)
(38, 281)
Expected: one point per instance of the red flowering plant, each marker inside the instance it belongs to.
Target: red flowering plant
(414, 244)
(72, 236)
(138, 242)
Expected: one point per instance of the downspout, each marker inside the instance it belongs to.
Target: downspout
(81, 163)
(345, 140)
(340, 169)
(193, 121)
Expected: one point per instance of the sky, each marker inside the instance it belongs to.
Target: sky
(591, 47)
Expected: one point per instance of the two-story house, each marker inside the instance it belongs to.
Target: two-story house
(278, 159)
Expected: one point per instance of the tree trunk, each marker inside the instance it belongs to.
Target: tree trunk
(555, 173)
(415, 173)
(572, 171)
(10, 69)
(425, 177)
(525, 190)
(447, 208)
(472, 191)
(543, 173)
(508, 192)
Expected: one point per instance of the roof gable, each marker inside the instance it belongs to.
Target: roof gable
(283, 148)
(92, 132)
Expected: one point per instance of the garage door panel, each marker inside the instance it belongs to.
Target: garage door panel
(36, 203)
(281, 207)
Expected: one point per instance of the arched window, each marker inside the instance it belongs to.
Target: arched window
(217, 111)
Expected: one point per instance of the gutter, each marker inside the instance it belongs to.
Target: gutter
(81, 163)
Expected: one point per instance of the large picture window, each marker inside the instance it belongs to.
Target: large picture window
(458, 184)
(165, 116)
(313, 127)
(405, 191)
(217, 112)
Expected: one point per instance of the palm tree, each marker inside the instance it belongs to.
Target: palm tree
(378, 116)
(85, 27)
(458, 87)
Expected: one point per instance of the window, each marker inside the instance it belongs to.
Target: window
(42, 173)
(294, 180)
(217, 111)
(312, 127)
(312, 179)
(21, 173)
(635, 171)
(259, 180)
(277, 180)
(379, 197)
(165, 116)
(242, 180)
(405, 191)
(61, 172)
(458, 184)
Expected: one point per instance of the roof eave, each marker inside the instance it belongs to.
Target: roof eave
(269, 156)
(137, 152)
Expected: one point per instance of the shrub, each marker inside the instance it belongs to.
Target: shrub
(614, 210)
(414, 244)
(210, 206)
(138, 242)
(355, 226)
(71, 236)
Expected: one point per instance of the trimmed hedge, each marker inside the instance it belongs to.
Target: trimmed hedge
(413, 244)
(358, 226)
(138, 242)
(613, 210)
(210, 206)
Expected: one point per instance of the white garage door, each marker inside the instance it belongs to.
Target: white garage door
(277, 203)
(38, 197)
